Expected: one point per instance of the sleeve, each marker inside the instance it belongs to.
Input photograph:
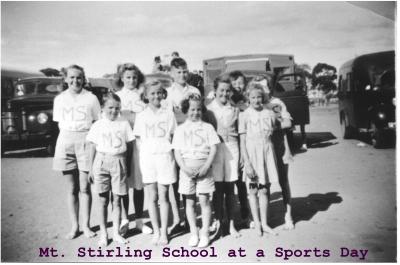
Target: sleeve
(96, 109)
(129, 132)
(137, 127)
(57, 112)
(177, 139)
(92, 135)
(242, 123)
(213, 138)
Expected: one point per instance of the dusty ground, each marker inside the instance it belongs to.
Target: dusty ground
(343, 196)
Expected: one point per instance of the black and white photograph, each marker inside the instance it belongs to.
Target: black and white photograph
(198, 131)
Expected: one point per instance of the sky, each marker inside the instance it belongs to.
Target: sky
(100, 35)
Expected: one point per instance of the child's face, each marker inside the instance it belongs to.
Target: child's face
(74, 79)
(256, 99)
(180, 75)
(155, 94)
(223, 93)
(130, 79)
(195, 110)
(111, 109)
(238, 84)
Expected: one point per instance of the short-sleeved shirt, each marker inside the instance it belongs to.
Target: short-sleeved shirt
(76, 112)
(130, 100)
(256, 124)
(226, 119)
(176, 93)
(155, 129)
(111, 136)
(194, 139)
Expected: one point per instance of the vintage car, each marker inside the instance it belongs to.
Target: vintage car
(27, 119)
(366, 95)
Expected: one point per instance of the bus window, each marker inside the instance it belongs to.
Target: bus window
(348, 82)
(340, 83)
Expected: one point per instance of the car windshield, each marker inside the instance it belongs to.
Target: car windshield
(38, 88)
(386, 80)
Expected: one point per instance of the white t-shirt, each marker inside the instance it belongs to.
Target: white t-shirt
(227, 118)
(111, 136)
(194, 139)
(76, 112)
(155, 129)
(256, 124)
(130, 100)
(176, 93)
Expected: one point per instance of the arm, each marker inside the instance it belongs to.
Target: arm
(204, 169)
(92, 154)
(250, 172)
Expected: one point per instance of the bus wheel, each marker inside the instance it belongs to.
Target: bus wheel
(377, 137)
(345, 128)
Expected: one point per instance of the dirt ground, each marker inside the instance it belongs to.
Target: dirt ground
(344, 196)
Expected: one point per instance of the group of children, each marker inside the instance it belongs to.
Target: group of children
(165, 142)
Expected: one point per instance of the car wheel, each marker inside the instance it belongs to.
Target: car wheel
(345, 128)
(377, 138)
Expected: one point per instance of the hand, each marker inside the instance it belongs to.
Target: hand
(203, 171)
(249, 170)
(191, 173)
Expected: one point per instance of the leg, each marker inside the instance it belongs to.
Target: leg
(117, 220)
(138, 201)
(191, 216)
(164, 209)
(124, 215)
(86, 202)
(284, 183)
(72, 183)
(264, 204)
(219, 204)
(104, 200)
(242, 194)
(303, 136)
(230, 202)
(175, 208)
(253, 201)
(151, 190)
(205, 218)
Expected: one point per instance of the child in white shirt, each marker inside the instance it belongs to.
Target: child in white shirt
(111, 140)
(195, 147)
(75, 109)
(154, 127)
(131, 78)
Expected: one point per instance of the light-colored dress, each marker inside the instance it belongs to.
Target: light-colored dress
(258, 127)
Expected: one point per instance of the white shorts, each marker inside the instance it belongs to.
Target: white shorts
(135, 180)
(158, 168)
(225, 166)
(190, 186)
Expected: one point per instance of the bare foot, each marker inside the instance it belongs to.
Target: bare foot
(103, 242)
(163, 240)
(72, 234)
(258, 229)
(120, 239)
(156, 238)
(268, 230)
(234, 232)
(288, 223)
(88, 233)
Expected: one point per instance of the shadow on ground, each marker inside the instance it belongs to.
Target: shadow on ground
(314, 140)
(303, 208)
